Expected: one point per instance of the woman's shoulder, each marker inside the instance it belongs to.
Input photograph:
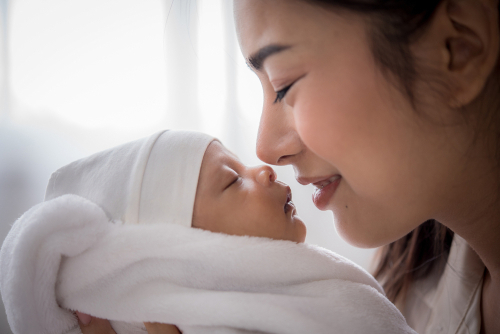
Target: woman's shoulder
(449, 299)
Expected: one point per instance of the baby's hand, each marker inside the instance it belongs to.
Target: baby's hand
(89, 325)
(157, 328)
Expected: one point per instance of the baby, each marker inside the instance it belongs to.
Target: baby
(115, 239)
(235, 199)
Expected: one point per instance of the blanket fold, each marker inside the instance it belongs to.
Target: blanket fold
(66, 254)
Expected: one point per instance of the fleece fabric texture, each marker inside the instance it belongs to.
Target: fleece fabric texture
(113, 239)
(67, 254)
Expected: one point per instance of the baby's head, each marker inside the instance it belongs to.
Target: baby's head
(185, 178)
(235, 199)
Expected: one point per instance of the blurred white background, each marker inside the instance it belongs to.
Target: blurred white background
(80, 76)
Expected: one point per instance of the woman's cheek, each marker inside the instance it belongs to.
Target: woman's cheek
(310, 129)
(317, 127)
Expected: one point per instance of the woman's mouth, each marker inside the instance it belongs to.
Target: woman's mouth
(326, 188)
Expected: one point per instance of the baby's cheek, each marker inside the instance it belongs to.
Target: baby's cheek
(196, 221)
(207, 220)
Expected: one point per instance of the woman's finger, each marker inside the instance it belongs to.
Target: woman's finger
(157, 328)
(90, 325)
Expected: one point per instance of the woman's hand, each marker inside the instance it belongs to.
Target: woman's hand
(89, 325)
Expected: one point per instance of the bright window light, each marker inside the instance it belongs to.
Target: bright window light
(93, 63)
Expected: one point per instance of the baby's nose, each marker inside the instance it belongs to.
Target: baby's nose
(266, 175)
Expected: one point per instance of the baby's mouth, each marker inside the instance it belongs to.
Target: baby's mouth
(289, 204)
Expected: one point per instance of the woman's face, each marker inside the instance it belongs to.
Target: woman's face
(344, 126)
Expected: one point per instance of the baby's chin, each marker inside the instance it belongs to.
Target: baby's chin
(303, 229)
(302, 236)
(299, 231)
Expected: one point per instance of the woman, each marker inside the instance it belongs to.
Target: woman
(391, 108)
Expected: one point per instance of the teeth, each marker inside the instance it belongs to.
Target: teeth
(327, 182)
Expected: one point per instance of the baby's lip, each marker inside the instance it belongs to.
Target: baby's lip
(288, 194)
(288, 202)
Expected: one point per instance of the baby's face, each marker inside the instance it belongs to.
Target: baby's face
(235, 199)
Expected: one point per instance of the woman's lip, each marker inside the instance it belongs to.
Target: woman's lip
(322, 196)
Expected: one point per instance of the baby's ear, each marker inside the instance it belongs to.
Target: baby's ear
(463, 41)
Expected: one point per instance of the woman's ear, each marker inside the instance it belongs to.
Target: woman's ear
(465, 34)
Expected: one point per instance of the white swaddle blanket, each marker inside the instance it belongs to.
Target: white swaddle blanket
(101, 253)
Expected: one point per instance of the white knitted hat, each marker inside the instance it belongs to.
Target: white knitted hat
(147, 181)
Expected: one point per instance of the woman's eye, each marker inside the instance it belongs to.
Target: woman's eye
(232, 182)
(280, 95)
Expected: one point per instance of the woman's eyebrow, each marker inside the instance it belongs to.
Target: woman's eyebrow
(257, 59)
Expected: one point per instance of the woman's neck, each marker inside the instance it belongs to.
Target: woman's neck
(476, 217)
(481, 230)
(474, 212)
(483, 236)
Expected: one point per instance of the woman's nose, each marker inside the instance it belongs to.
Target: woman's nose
(265, 175)
(277, 140)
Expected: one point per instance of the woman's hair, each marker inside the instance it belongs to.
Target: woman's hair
(395, 25)
(413, 257)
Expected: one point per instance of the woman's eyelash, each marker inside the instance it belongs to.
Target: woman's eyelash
(280, 95)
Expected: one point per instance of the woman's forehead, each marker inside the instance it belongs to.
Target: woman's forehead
(260, 23)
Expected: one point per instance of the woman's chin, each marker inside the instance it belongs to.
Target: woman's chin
(359, 240)
(367, 224)
(367, 234)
